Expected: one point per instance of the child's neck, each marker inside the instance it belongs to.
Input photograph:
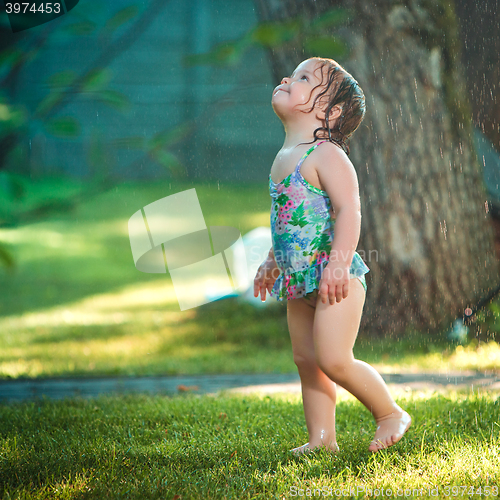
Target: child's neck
(295, 135)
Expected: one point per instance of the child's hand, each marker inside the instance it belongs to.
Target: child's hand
(267, 274)
(334, 284)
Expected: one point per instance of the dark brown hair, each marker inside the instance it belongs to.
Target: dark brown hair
(340, 89)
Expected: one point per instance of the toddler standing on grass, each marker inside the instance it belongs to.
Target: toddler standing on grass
(314, 189)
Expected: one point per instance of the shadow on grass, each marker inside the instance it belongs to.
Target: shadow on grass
(237, 322)
(49, 281)
(70, 333)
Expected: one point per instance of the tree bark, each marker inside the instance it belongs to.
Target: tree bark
(426, 232)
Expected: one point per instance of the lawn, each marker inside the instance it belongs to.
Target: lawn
(75, 304)
(236, 447)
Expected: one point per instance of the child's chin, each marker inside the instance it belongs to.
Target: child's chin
(279, 108)
(280, 116)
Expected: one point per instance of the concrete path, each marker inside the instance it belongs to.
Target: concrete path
(266, 383)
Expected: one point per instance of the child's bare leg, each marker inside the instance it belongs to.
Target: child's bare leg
(335, 331)
(318, 391)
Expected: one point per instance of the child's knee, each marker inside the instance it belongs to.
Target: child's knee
(305, 361)
(335, 367)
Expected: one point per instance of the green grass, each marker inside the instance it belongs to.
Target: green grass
(76, 305)
(234, 446)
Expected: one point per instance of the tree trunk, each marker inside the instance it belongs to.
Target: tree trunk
(426, 233)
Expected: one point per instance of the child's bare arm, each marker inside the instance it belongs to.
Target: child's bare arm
(339, 179)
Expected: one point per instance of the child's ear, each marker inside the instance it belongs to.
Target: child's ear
(335, 113)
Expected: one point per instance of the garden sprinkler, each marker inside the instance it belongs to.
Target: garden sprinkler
(460, 325)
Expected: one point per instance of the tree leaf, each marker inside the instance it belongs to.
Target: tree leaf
(120, 18)
(167, 138)
(48, 102)
(61, 79)
(332, 17)
(11, 118)
(272, 34)
(10, 57)
(113, 98)
(64, 126)
(169, 161)
(326, 46)
(227, 53)
(97, 79)
(82, 28)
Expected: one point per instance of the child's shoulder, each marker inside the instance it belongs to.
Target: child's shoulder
(330, 151)
(331, 156)
(334, 168)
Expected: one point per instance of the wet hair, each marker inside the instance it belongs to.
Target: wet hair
(340, 89)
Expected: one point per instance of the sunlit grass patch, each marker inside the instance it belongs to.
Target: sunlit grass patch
(138, 331)
(233, 446)
(417, 353)
(484, 356)
(76, 305)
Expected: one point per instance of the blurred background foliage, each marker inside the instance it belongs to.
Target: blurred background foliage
(19, 121)
(75, 225)
(275, 34)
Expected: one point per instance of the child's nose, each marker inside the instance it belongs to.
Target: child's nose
(284, 80)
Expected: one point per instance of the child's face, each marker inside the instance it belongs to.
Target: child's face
(295, 93)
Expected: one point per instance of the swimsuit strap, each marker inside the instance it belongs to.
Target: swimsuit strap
(308, 152)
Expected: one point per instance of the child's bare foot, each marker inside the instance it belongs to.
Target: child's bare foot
(390, 430)
(307, 448)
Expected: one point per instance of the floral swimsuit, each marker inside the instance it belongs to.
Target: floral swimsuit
(302, 235)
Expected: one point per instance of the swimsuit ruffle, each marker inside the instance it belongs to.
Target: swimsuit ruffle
(296, 284)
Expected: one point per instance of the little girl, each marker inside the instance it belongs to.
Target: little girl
(314, 189)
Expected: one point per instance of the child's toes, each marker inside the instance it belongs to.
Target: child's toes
(386, 428)
(377, 445)
(385, 443)
(395, 438)
(389, 441)
(301, 450)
